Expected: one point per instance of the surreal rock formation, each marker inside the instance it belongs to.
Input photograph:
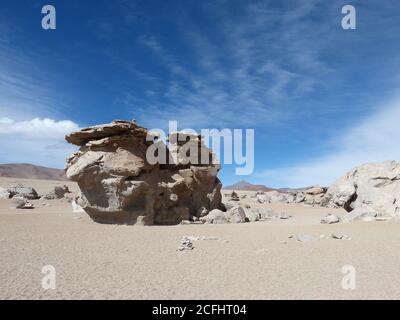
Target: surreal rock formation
(120, 185)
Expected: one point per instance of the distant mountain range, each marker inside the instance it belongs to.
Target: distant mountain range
(30, 171)
(247, 186)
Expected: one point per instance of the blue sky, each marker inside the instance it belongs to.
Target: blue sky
(321, 99)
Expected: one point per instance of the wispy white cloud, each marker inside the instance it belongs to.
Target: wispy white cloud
(374, 139)
(26, 86)
(37, 129)
(240, 73)
(38, 141)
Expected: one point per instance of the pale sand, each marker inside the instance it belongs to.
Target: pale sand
(250, 261)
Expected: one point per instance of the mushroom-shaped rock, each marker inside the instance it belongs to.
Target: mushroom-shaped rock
(121, 183)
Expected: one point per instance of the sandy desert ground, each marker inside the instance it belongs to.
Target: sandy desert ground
(246, 261)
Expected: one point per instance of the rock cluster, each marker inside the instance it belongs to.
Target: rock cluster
(20, 195)
(19, 202)
(310, 196)
(120, 185)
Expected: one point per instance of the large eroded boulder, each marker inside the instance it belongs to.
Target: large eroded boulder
(370, 189)
(119, 184)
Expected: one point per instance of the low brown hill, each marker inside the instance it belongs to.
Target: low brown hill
(30, 171)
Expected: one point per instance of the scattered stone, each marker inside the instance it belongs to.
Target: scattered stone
(234, 196)
(233, 215)
(282, 216)
(186, 244)
(236, 215)
(253, 216)
(330, 218)
(187, 241)
(304, 238)
(4, 193)
(25, 192)
(57, 193)
(340, 236)
(18, 202)
(215, 216)
(315, 190)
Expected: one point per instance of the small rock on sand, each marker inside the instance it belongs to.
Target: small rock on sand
(304, 238)
(20, 203)
(340, 236)
(186, 244)
(329, 219)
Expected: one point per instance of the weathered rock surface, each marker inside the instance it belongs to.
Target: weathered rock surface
(304, 238)
(253, 216)
(215, 216)
(57, 193)
(233, 215)
(361, 214)
(76, 208)
(236, 215)
(367, 191)
(340, 236)
(120, 185)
